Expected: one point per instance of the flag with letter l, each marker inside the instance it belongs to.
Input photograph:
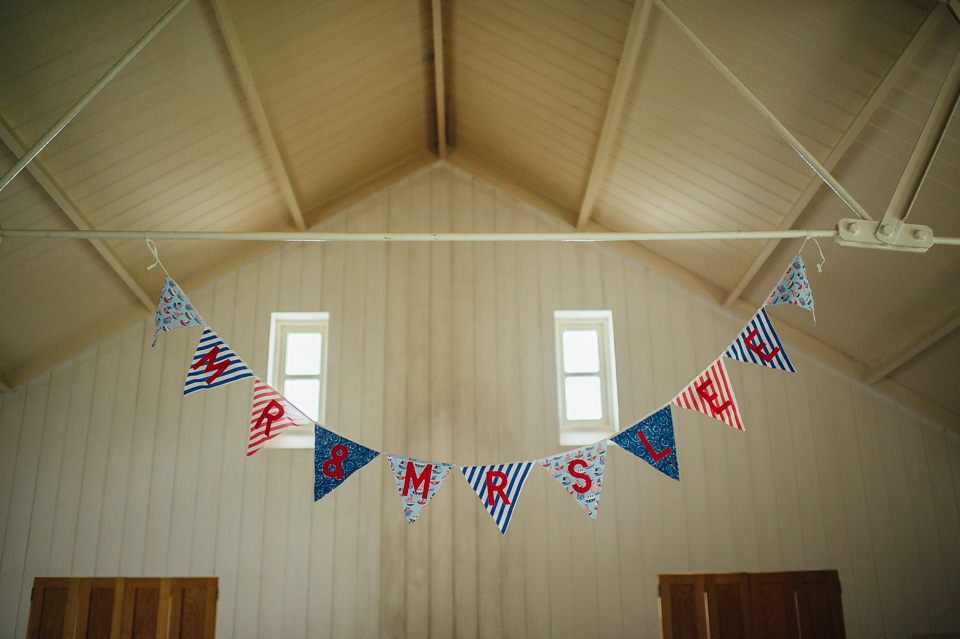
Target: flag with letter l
(580, 471)
(174, 310)
(712, 395)
(793, 288)
(272, 413)
(334, 459)
(498, 487)
(214, 364)
(417, 481)
(653, 441)
(758, 344)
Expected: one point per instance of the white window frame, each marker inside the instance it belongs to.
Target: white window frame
(582, 432)
(282, 323)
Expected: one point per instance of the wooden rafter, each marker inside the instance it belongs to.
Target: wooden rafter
(618, 99)
(264, 131)
(923, 340)
(76, 216)
(846, 140)
(438, 80)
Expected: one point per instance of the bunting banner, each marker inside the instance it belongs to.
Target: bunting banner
(653, 441)
(334, 459)
(498, 487)
(174, 310)
(271, 415)
(712, 395)
(580, 471)
(214, 364)
(793, 288)
(758, 344)
(417, 481)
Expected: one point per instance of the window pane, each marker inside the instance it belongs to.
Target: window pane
(303, 353)
(304, 394)
(581, 351)
(583, 398)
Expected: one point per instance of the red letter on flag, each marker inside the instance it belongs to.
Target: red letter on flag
(496, 487)
(210, 360)
(760, 347)
(653, 453)
(422, 479)
(266, 415)
(706, 392)
(589, 482)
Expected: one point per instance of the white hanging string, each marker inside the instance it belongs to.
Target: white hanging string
(822, 258)
(152, 247)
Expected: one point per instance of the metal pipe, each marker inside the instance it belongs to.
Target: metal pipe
(801, 150)
(413, 237)
(89, 95)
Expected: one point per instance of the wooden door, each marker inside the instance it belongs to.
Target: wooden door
(53, 606)
(99, 605)
(728, 605)
(682, 607)
(818, 604)
(193, 608)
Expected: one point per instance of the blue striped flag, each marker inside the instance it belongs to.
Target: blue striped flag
(214, 364)
(498, 487)
(758, 344)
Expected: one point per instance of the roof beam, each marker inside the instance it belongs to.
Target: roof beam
(79, 220)
(934, 333)
(249, 88)
(438, 80)
(618, 99)
(848, 138)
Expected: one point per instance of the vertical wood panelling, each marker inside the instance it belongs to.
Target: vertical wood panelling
(446, 352)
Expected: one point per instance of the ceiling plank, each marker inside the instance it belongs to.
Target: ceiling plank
(923, 340)
(618, 99)
(265, 132)
(79, 220)
(846, 140)
(438, 80)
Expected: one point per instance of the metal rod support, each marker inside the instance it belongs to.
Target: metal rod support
(767, 115)
(89, 95)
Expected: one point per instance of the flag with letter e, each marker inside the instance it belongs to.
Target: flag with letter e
(271, 415)
(580, 471)
(758, 344)
(334, 459)
(214, 364)
(417, 481)
(498, 488)
(712, 395)
(174, 310)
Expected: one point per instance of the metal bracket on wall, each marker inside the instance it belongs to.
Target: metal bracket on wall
(885, 234)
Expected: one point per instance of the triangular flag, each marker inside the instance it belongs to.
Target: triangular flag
(758, 344)
(652, 440)
(334, 459)
(498, 487)
(793, 288)
(174, 310)
(580, 471)
(712, 394)
(272, 413)
(214, 364)
(417, 481)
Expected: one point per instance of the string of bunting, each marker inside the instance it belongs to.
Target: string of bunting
(498, 486)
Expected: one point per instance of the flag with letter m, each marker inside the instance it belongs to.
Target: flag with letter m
(214, 364)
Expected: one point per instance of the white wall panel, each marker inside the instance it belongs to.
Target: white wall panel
(445, 352)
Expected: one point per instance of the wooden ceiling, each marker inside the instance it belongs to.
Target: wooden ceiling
(244, 115)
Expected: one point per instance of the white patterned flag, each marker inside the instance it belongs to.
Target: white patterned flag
(712, 395)
(498, 487)
(758, 344)
(272, 413)
(653, 441)
(214, 364)
(174, 310)
(580, 471)
(417, 481)
(793, 288)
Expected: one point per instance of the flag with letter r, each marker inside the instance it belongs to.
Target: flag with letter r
(272, 413)
(498, 487)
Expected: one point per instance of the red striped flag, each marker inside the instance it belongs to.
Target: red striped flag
(271, 415)
(712, 395)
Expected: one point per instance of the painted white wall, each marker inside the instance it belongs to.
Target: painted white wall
(445, 352)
